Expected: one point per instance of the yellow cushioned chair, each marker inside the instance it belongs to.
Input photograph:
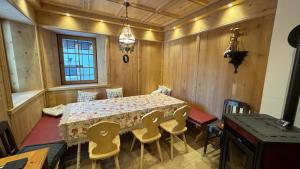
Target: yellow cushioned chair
(177, 126)
(149, 133)
(104, 142)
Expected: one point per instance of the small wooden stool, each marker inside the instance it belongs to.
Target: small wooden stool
(201, 119)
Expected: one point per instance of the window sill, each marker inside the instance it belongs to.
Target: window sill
(77, 87)
(22, 98)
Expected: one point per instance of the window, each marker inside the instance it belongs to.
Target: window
(78, 62)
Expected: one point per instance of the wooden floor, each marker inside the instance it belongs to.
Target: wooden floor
(193, 159)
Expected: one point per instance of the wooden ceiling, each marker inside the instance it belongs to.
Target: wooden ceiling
(158, 13)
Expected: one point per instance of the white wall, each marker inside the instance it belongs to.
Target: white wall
(280, 60)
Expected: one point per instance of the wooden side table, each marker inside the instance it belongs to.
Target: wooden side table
(37, 159)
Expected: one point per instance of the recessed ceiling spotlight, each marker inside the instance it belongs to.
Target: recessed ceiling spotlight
(67, 14)
(196, 19)
(150, 29)
(230, 5)
(101, 21)
(174, 27)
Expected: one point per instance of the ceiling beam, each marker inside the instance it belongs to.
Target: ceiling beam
(165, 5)
(148, 17)
(119, 13)
(85, 14)
(148, 9)
(203, 12)
(199, 2)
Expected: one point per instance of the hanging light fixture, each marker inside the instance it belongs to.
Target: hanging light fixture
(126, 38)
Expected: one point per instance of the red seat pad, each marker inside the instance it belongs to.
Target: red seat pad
(45, 131)
(201, 117)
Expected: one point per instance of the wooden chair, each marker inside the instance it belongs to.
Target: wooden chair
(215, 129)
(177, 126)
(104, 142)
(149, 133)
(55, 154)
(7, 140)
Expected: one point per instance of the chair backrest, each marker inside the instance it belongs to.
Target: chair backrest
(151, 121)
(103, 134)
(8, 143)
(181, 115)
(235, 106)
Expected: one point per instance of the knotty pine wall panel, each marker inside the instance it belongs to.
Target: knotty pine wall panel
(150, 58)
(26, 117)
(50, 58)
(142, 74)
(194, 66)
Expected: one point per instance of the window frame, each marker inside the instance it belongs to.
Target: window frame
(60, 37)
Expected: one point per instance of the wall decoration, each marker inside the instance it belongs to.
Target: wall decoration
(125, 58)
(232, 51)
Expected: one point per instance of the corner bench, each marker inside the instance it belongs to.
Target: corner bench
(201, 119)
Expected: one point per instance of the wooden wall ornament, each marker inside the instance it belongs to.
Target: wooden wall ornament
(232, 51)
(125, 58)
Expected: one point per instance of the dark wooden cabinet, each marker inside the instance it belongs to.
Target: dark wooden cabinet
(256, 142)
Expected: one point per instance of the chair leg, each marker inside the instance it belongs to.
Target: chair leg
(78, 156)
(185, 143)
(117, 162)
(94, 164)
(133, 142)
(159, 150)
(142, 156)
(172, 146)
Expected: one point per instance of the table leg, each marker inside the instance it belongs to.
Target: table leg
(78, 155)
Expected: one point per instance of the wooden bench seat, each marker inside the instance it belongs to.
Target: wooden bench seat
(201, 119)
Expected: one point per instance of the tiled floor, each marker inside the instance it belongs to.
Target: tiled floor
(193, 159)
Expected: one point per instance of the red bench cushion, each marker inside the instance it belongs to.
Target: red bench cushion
(45, 131)
(201, 117)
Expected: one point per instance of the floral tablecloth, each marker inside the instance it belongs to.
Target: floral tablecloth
(127, 111)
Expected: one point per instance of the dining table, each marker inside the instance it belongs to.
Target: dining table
(127, 111)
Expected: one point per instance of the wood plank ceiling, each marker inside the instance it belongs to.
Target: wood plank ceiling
(158, 13)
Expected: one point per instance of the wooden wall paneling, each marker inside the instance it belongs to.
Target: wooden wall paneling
(101, 42)
(107, 55)
(196, 70)
(25, 118)
(189, 66)
(257, 40)
(6, 86)
(178, 72)
(123, 74)
(165, 64)
(175, 56)
(50, 58)
(149, 66)
(23, 56)
(222, 71)
(40, 57)
(201, 82)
